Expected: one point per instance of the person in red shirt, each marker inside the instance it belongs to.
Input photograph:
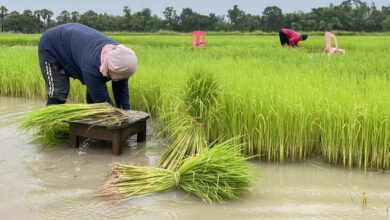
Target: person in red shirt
(290, 37)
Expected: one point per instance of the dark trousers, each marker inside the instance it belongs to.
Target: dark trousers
(283, 39)
(56, 81)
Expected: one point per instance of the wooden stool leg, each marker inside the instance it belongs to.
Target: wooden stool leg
(116, 143)
(141, 136)
(74, 140)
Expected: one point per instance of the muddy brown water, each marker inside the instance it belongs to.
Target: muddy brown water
(59, 184)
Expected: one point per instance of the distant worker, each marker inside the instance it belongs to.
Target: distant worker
(290, 37)
(77, 51)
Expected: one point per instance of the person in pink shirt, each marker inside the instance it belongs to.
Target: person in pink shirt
(290, 37)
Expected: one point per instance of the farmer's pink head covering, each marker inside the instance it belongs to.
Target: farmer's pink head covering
(117, 62)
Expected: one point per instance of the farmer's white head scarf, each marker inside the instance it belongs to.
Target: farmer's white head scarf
(117, 62)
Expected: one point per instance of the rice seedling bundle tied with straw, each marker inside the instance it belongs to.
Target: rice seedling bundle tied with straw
(215, 175)
(50, 126)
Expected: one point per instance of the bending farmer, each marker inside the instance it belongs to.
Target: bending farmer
(77, 51)
(290, 37)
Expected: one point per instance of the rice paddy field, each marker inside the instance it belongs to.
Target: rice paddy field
(286, 105)
(317, 125)
(60, 184)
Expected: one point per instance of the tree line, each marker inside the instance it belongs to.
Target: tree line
(350, 15)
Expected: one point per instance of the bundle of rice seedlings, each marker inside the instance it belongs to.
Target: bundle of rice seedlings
(50, 126)
(190, 120)
(215, 175)
(201, 94)
(188, 139)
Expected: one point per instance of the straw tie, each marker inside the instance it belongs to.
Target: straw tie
(176, 176)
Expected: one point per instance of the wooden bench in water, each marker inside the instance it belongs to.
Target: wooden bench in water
(117, 134)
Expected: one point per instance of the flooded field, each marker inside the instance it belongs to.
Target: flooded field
(59, 184)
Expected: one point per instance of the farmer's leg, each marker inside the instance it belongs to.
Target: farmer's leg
(283, 39)
(56, 82)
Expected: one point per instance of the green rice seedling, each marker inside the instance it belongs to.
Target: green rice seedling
(147, 97)
(215, 175)
(50, 126)
(201, 94)
(7, 39)
(188, 139)
(193, 120)
(202, 100)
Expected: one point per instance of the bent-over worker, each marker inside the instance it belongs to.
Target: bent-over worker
(290, 37)
(77, 51)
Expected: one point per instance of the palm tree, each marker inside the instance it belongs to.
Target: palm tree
(3, 13)
(64, 17)
(44, 13)
(37, 13)
(75, 16)
(49, 15)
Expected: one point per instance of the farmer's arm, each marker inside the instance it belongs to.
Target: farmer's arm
(97, 89)
(121, 94)
(294, 40)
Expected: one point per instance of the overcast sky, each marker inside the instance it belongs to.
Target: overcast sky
(218, 7)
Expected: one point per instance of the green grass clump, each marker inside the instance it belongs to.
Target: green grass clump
(215, 175)
(50, 127)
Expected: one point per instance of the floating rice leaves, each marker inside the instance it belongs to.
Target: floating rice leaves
(50, 127)
(215, 175)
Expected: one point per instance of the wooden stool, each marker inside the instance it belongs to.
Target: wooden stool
(118, 134)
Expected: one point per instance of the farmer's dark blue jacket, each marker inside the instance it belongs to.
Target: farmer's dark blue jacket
(77, 48)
